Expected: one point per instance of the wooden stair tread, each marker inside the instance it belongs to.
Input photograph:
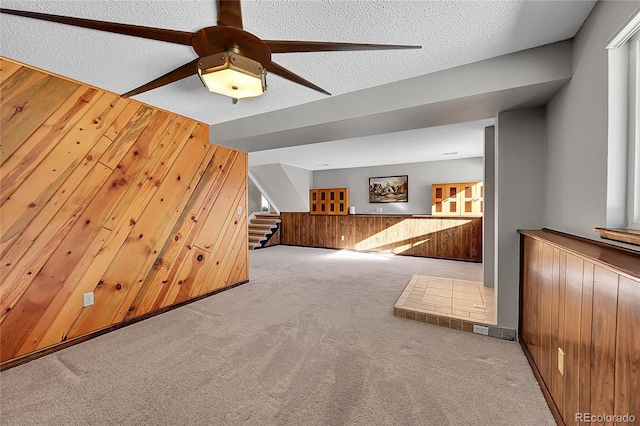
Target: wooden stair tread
(265, 221)
(261, 228)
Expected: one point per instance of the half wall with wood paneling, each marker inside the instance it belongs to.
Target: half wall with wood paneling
(106, 195)
(439, 237)
(581, 299)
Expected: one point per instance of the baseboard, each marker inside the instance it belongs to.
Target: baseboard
(14, 362)
(545, 391)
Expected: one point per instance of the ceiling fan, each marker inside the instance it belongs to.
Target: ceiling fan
(231, 61)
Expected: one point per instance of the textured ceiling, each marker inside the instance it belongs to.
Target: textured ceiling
(463, 140)
(452, 33)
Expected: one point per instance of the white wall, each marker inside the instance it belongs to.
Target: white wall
(577, 149)
(489, 217)
(519, 201)
(421, 176)
(286, 187)
(254, 198)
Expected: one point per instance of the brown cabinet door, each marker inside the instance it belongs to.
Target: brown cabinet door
(471, 198)
(445, 199)
(457, 199)
(329, 201)
(313, 201)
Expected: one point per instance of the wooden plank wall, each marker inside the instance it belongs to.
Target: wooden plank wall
(591, 311)
(107, 195)
(438, 237)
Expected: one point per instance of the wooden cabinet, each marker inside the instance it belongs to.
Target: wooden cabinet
(581, 297)
(329, 201)
(457, 199)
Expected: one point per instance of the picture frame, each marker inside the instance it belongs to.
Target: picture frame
(389, 189)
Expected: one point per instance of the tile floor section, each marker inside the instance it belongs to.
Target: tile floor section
(447, 298)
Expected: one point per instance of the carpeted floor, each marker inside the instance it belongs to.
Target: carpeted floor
(311, 340)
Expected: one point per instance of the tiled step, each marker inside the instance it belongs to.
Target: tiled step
(257, 239)
(252, 246)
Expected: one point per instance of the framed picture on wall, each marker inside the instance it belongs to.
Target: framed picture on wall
(389, 189)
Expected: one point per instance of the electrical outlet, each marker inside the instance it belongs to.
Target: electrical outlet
(343, 238)
(87, 299)
(561, 361)
(481, 329)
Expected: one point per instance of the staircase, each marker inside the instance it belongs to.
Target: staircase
(262, 228)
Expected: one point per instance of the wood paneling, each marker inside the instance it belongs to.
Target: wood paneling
(103, 194)
(627, 355)
(446, 238)
(588, 307)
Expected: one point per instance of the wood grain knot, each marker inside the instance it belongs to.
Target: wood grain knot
(200, 257)
(19, 109)
(118, 286)
(180, 282)
(32, 205)
(176, 238)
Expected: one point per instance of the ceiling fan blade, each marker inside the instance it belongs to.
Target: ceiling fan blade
(284, 46)
(171, 36)
(285, 73)
(230, 13)
(184, 71)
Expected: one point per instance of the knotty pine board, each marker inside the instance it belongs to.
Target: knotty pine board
(106, 195)
(28, 98)
(37, 146)
(7, 68)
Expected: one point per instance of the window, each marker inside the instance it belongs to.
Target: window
(633, 182)
(623, 162)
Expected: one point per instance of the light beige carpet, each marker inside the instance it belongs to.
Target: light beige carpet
(311, 340)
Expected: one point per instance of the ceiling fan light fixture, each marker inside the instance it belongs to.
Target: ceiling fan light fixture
(232, 75)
